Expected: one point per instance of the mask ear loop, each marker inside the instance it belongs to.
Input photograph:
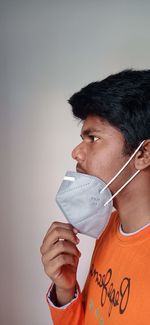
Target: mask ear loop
(119, 172)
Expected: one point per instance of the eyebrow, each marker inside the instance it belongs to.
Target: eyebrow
(88, 131)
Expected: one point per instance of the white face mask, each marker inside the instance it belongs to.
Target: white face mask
(86, 200)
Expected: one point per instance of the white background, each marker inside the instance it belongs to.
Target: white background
(49, 50)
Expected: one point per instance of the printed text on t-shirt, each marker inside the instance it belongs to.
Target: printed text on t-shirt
(117, 297)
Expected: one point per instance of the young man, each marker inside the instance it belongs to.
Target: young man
(116, 126)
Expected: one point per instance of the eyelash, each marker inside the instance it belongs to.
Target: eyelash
(92, 138)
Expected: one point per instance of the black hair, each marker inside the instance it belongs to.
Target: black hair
(123, 100)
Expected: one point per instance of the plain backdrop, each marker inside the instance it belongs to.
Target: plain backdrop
(49, 50)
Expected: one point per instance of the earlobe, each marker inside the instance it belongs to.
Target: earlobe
(142, 158)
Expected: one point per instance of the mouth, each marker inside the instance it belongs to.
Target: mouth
(80, 170)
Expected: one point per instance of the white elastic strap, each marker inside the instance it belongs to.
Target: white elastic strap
(122, 187)
(120, 171)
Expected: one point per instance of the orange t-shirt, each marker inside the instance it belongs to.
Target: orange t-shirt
(117, 289)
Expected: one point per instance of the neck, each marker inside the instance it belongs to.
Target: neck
(133, 208)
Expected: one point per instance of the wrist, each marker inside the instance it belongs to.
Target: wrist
(64, 296)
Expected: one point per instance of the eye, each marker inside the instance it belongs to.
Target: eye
(93, 138)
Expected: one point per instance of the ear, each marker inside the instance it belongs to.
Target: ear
(142, 158)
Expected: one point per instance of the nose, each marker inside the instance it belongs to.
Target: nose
(79, 152)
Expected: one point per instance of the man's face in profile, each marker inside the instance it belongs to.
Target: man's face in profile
(101, 152)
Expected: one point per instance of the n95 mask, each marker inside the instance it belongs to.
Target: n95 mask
(81, 199)
(86, 200)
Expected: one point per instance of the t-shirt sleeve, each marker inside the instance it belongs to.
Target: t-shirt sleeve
(71, 313)
(52, 299)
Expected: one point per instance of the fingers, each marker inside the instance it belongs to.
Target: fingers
(59, 251)
(56, 233)
(56, 224)
(53, 267)
(62, 246)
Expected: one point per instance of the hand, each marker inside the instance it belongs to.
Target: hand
(60, 255)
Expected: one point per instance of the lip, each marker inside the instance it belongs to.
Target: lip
(80, 170)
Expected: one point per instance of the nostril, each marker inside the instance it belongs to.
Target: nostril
(78, 153)
(73, 154)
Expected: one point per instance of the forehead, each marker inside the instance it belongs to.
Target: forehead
(95, 123)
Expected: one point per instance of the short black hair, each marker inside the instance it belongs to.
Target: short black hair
(123, 100)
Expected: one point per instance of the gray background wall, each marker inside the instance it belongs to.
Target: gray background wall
(48, 50)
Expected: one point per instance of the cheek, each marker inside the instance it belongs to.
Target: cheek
(99, 166)
(104, 166)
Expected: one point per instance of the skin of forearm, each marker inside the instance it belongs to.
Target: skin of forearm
(64, 296)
